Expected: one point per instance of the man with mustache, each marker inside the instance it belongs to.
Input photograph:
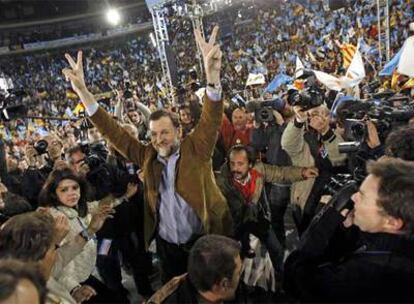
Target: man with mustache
(182, 200)
(242, 182)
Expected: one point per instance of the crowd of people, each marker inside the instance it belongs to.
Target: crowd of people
(105, 167)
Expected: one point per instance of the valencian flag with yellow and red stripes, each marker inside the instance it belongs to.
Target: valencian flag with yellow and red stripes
(348, 52)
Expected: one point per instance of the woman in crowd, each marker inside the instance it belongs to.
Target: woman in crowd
(66, 194)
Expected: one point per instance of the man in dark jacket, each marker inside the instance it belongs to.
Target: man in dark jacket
(242, 182)
(382, 266)
(214, 268)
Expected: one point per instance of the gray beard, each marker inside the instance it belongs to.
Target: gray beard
(167, 153)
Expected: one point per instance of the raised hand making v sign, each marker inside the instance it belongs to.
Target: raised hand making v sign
(211, 56)
(181, 208)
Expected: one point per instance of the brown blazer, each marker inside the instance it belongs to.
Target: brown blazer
(195, 181)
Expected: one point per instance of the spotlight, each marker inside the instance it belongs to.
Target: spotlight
(113, 17)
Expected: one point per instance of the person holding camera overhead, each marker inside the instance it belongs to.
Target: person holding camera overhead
(310, 141)
(36, 174)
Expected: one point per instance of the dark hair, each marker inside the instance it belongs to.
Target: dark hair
(400, 143)
(27, 236)
(72, 150)
(211, 259)
(251, 154)
(14, 271)
(158, 114)
(48, 196)
(396, 189)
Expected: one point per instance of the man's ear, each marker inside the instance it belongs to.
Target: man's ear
(393, 224)
(224, 283)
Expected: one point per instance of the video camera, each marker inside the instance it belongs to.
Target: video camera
(93, 157)
(8, 108)
(341, 187)
(41, 146)
(385, 115)
(94, 153)
(263, 110)
(307, 99)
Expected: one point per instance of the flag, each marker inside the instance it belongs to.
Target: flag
(389, 68)
(331, 82)
(70, 94)
(409, 84)
(348, 52)
(299, 68)
(279, 80)
(396, 77)
(356, 69)
(255, 79)
(79, 108)
(353, 76)
(238, 68)
(406, 62)
(68, 112)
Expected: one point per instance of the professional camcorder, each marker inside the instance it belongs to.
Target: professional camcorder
(342, 187)
(307, 99)
(385, 115)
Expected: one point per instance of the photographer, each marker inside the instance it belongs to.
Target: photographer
(136, 113)
(367, 146)
(36, 174)
(381, 268)
(266, 137)
(310, 141)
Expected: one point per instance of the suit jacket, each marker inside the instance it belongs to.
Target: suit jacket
(195, 181)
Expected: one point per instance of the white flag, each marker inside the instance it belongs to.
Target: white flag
(406, 64)
(255, 79)
(353, 76)
(299, 68)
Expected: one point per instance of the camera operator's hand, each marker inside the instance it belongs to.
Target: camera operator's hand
(60, 164)
(31, 155)
(211, 56)
(372, 140)
(84, 169)
(301, 116)
(310, 173)
(278, 117)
